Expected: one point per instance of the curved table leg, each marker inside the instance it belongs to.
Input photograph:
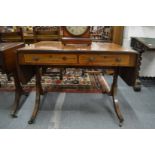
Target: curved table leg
(39, 91)
(36, 108)
(18, 93)
(117, 111)
(16, 103)
(113, 92)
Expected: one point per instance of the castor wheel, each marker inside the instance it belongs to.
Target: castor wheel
(120, 124)
(31, 121)
(14, 116)
(137, 88)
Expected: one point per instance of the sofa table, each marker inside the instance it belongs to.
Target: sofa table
(122, 61)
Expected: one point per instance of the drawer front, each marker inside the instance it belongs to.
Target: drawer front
(50, 58)
(104, 60)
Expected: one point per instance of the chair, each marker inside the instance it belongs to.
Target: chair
(12, 36)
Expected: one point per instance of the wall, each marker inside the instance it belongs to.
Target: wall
(137, 31)
(148, 58)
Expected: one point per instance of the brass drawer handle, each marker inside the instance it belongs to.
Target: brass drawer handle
(91, 59)
(105, 57)
(64, 58)
(35, 58)
(118, 59)
(50, 56)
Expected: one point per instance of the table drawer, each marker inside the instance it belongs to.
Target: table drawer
(50, 58)
(106, 60)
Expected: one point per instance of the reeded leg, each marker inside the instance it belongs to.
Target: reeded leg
(115, 101)
(39, 91)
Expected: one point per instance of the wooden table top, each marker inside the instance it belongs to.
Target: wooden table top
(58, 46)
(148, 42)
(6, 46)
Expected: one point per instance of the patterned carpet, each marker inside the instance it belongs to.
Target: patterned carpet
(73, 81)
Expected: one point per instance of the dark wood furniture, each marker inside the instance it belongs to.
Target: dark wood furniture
(28, 38)
(12, 36)
(46, 35)
(98, 55)
(141, 45)
(8, 66)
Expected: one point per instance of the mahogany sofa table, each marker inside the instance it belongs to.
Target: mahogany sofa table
(97, 55)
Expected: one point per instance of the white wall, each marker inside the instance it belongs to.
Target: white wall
(148, 58)
(137, 31)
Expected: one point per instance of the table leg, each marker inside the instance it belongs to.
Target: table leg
(61, 73)
(113, 92)
(137, 86)
(39, 91)
(18, 93)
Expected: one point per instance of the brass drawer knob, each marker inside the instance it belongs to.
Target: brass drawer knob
(118, 60)
(35, 58)
(105, 57)
(64, 58)
(91, 59)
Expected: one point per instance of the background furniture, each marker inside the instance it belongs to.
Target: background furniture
(28, 38)
(107, 34)
(12, 36)
(8, 66)
(98, 33)
(46, 33)
(141, 45)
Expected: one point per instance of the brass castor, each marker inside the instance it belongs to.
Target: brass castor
(121, 124)
(31, 121)
(14, 116)
(137, 86)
